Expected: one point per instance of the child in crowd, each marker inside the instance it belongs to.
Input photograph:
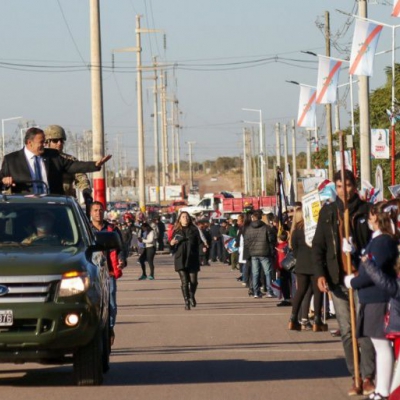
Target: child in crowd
(285, 276)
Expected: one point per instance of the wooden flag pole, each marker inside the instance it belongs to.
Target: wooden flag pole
(348, 267)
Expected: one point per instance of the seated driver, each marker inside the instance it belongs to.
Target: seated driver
(43, 222)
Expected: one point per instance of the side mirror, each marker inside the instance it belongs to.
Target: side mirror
(108, 241)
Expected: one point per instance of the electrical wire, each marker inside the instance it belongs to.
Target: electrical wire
(70, 33)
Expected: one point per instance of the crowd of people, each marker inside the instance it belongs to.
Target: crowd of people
(350, 258)
(365, 260)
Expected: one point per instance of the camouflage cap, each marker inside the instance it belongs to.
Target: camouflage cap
(55, 132)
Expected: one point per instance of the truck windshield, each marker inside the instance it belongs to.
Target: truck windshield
(37, 224)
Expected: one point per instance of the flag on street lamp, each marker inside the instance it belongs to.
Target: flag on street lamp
(396, 8)
(328, 76)
(365, 41)
(306, 114)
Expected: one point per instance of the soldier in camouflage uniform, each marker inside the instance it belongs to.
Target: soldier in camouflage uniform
(55, 138)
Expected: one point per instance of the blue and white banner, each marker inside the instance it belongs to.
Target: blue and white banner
(306, 115)
(328, 77)
(365, 41)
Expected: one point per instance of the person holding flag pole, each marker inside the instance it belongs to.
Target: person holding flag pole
(343, 225)
(349, 272)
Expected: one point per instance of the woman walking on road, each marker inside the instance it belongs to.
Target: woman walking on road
(149, 251)
(185, 247)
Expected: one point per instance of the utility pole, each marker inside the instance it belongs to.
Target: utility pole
(245, 177)
(249, 161)
(141, 159)
(254, 150)
(294, 172)
(156, 145)
(178, 150)
(328, 106)
(337, 112)
(363, 96)
(285, 150)
(175, 127)
(99, 182)
(190, 164)
(142, 185)
(164, 130)
(278, 144)
(309, 148)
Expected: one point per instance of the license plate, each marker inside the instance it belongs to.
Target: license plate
(6, 317)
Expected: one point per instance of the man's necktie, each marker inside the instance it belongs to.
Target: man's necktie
(38, 176)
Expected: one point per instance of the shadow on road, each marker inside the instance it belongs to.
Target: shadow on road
(189, 372)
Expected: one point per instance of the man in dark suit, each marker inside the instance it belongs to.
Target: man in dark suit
(37, 163)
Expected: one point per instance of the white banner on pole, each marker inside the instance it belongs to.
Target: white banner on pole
(328, 77)
(365, 41)
(380, 143)
(306, 114)
(379, 183)
(311, 205)
(347, 160)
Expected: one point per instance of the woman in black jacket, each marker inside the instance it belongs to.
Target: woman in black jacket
(373, 300)
(185, 247)
(304, 276)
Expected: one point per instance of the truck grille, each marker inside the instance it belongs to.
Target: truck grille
(23, 289)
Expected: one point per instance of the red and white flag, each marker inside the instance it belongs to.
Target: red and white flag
(328, 77)
(396, 8)
(365, 41)
(306, 115)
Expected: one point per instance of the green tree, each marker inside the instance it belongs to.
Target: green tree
(380, 101)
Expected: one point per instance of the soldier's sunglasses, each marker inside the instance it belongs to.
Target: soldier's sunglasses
(56, 140)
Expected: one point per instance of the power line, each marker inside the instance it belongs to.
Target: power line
(70, 34)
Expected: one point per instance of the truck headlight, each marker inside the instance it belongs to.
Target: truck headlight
(73, 283)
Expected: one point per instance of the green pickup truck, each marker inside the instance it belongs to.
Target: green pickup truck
(54, 286)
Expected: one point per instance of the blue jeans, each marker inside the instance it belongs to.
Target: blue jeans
(113, 301)
(244, 272)
(266, 264)
(340, 297)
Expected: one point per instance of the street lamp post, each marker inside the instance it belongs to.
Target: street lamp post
(3, 148)
(261, 149)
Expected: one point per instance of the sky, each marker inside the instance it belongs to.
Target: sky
(223, 56)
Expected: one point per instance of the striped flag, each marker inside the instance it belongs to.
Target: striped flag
(365, 41)
(306, 115)
(328, 77)
(396, 8)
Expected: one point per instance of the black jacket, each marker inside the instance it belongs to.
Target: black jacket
(215, 232)
(186, 251)
(326, 245)
(16, 166)
(383, 249)
(302, 252)
(391, 286)
(256, 239)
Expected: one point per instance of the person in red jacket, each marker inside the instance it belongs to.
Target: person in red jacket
(115, 260)
(285, 276)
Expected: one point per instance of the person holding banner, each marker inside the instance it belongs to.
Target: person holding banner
(330, 270)
(373, 300)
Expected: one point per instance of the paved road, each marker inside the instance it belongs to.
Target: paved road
(230, 346)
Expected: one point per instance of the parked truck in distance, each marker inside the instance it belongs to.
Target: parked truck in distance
(224, 204)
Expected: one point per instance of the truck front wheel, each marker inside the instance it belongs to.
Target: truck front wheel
(88, 362)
